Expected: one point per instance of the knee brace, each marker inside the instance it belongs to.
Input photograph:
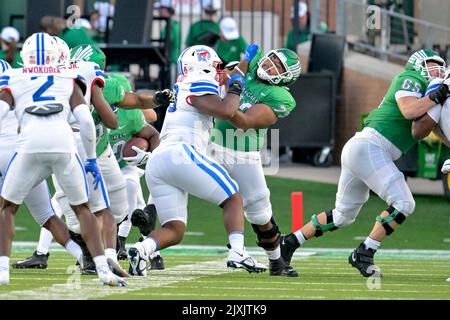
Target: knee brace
(394, 215)
(266, 238)
(320, 228)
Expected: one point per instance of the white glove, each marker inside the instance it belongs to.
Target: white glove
(139, 159)
(446, 166)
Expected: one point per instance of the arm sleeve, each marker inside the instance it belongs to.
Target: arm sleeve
(87, 129)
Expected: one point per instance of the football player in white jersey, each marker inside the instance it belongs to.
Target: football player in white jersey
(43, 97)
(179, 167)
(99, 200)
(437, 119)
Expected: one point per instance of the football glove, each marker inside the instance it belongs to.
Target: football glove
(446, 166)
(236, 84)
(92, 167)
(163, 98)
(250, 52)
(440, 94)
(139, 159)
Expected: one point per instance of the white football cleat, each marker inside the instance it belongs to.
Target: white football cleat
(138, 260)
(4, 277)
(240, 258)
(448, 280)
(110, 279)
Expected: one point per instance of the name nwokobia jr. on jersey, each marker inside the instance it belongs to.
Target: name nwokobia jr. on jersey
(41, 90)
(183, 122)
(279, 99)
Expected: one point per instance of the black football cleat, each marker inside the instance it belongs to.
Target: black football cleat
(89, 268)
(157, 263)
(145, 219)
(279, 268)
(362, 259)
(288, 244)
(35, 261)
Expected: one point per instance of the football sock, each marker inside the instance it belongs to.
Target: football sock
(236, 239)
(45, 240)
(274, 254)
(150, 245)
(4, 263)
(111, 253)
(101, 264)
(300, 237)
(371, 243)
(124, 228)
(74, 249)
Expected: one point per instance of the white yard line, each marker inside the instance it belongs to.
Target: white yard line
(441, 254)
(78, 289)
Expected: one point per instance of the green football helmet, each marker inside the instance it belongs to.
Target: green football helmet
(88, 53)
(291, 65)
(418, 62)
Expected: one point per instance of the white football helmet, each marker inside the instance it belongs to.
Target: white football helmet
(199, 63)
(64, 51)
(40, 49)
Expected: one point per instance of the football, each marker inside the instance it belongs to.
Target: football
(141, 143)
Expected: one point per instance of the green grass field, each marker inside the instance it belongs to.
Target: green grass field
(417, 271)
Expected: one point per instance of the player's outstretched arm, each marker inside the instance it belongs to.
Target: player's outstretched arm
(103, 109)
(213, 105)
(146, 100)
(87, 127)
(413, 108)
(257, 117)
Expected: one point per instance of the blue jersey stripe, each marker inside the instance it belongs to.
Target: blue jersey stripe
(211, 173)
(204, 90)
(43, 49)
(7, 169)
(99, 73)
(97, 68)
(5, 66)
(3, 83)
(219, 168)
(5, 78)
(38, 57)
(431, 88)
(84, 175)
(204, 84)
(104, 193)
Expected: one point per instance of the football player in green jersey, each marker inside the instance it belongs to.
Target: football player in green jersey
(132, 123)
(368, 163)
(264, 100)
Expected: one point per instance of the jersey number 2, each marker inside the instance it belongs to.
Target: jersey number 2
(38, 95)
